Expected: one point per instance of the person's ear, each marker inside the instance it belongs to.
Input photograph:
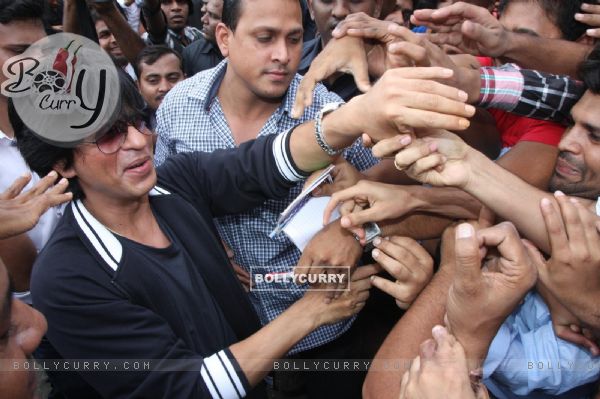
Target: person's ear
(310, 9)
(63, 171)
(223, 36)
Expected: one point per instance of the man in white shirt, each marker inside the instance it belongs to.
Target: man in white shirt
(20, 26)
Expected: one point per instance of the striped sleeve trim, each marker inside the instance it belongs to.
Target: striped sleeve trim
(283, 158)
(221, 378)
(500, 88)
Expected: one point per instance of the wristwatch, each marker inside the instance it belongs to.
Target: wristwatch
(320, 136)
(372, 231)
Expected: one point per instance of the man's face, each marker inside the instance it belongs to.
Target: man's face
(177, 12)
(15, 37)
(211, 17)
(125, 176)
(328, 13)
(109, 43)
(528, 17)
(577, 170)
(157, 79)
(265, 49)
(21, 330)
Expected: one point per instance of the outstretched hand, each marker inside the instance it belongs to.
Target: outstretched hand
(21, 211)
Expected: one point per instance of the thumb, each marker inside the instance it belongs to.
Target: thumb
(478, 33)
(361, 75)
(468, 262)
(579, 339)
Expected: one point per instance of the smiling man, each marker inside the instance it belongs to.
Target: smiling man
(159, 69)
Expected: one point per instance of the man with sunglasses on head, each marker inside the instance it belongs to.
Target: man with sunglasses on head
(136, 271)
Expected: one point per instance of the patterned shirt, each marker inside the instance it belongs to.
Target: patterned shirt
(190, 118)
(529, 93)
(175, 40)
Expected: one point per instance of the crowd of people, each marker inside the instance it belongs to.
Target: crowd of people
(466, 180)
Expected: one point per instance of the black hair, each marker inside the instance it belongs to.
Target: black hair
(21, 10)
(150, 54)
(589, 70)
(232, 10)
(42, 157)
(560, 12)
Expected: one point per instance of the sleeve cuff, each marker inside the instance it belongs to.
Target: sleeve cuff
(283, 158)
(500, 88)
(223, 377)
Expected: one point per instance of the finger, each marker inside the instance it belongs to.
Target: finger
(341, 196)
(557, 236)
(16, 187)
(414, 248)
(413, 153)
(468, 263)
(416, 53)
(427, 164)
(397, 269)
(588, 19)
(348, 207)
(354, 21)
(54, 197)
(402, 253)
(367, 140)
(389, 147)
(360, 72)
(403, 384)
(361, 217)
(578, 339)
(480, 34)
(408, 82)
(572, 222)
(588, 223)
(591, 8)
(433, 96)
(396, 291)
(506, 239)
(304, 95)
(487, 217)
(364, 272)
(418, 118)
(595, 33)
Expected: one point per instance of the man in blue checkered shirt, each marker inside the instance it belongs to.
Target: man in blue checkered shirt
(250, 95)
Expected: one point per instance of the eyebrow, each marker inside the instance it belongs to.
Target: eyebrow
(595, 130)
(271, 30)
(526, 31)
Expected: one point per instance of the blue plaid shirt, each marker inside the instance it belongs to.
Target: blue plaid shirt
(190, 118)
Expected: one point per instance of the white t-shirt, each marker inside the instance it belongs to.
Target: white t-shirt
(14, 166)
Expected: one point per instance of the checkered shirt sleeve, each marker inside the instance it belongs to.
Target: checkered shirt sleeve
(529, 93)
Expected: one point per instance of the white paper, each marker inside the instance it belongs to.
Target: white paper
(308, 221)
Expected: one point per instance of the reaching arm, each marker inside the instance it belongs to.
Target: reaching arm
(156, 24)
(129, 41)
(476, 31)
(70, 17)
(402, 343)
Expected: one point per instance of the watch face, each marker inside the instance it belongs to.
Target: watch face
(371, 231)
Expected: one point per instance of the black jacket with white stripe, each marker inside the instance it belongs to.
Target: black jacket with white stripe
(103, 300)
